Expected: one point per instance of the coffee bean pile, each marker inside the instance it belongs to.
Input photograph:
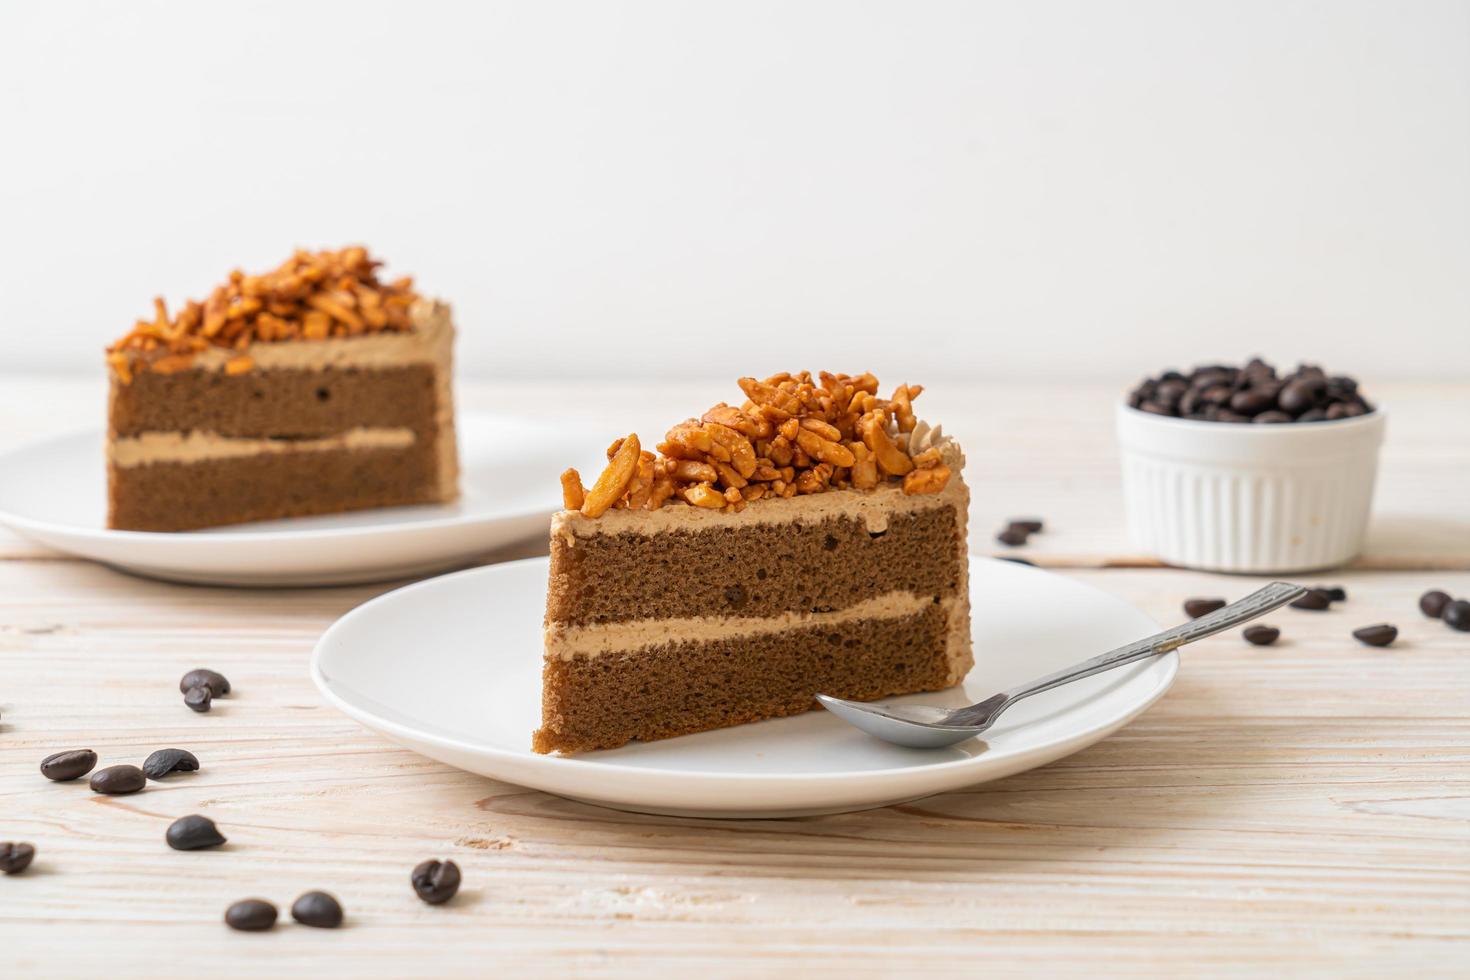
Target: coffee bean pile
(1254, 393)
(200, 687)
(1017, 531)
(1454, 612)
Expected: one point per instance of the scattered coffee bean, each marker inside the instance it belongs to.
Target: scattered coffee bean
(164, 761)
(198, 698)
(1336, 592)
(1314, 599)
(251, 915)
(192, 833)
(317, 909)
(1195, 608)
(435, 881)
(215, 681)
(1380, 635)
(1012, 536)
(1031, 525)
(1220, 393)
(117, 780)
(1457, 615)
(15, 858)
(71, 764)
(1432, 603)
(1261, 635)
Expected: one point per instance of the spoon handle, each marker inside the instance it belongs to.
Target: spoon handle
(1258, 603)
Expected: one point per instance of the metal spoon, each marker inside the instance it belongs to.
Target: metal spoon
(925, 727)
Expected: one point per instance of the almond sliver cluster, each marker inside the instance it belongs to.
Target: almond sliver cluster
(792, 435)
(311, 296)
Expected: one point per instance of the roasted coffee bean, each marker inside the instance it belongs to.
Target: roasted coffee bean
(215, 681)
(1335, 592)
(192, 833)
(1457, 615)
(1216, 395)
(15, 857)
(1432, 603)
(1031, 525)
(1252, 401)
(198, 698)
(1012, 536)
(1169, 391)
(1272, 416)
(1195, 608)
(1380, 635)
(71, 764)
(118, 780)
(317, 909)
(164, 761)
(1261, 635)
(435, 881)
(1299, 395)
(1227, 416)
(1314, 599)
(251, 915)
(1312, 415)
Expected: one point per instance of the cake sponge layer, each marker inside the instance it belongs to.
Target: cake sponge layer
(184, 496)
(681, 687)
(278, 402)
(763, 569)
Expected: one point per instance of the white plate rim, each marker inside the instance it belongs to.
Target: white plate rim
(1166, 665)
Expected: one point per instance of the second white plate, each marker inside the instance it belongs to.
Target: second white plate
(55, 493)
(451, 669)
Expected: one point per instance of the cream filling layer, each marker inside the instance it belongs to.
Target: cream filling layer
(194, 447)
(570, 642)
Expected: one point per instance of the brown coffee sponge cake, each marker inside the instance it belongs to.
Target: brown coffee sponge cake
(811, 540)
(316, 388)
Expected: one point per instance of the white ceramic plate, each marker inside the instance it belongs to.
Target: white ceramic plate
(451, 668)
(55, 492)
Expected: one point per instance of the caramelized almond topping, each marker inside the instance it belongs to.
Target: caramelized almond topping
(793, 435)
(312, 296)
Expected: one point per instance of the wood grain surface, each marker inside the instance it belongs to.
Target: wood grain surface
(1302, 809)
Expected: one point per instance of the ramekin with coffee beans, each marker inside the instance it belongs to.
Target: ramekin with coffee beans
(1239, 469)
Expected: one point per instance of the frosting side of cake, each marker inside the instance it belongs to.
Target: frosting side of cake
(429, 342)
(872, 507)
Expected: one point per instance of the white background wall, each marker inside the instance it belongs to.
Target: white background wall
(929, 190)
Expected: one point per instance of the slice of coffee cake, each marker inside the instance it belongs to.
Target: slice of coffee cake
(312, 389)
(811, 540)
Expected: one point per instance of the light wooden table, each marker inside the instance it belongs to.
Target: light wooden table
(1299, 809)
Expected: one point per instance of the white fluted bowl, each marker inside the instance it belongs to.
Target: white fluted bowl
(1237, 497)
